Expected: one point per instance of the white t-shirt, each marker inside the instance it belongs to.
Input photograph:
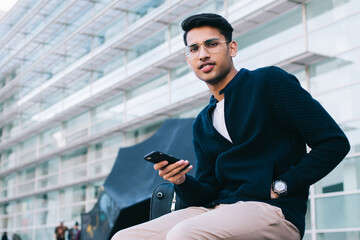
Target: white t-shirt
(218, 117)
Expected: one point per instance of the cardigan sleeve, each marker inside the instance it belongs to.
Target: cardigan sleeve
(204, 187)
(299, 113)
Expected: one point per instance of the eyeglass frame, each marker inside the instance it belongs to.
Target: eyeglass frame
(187, 47)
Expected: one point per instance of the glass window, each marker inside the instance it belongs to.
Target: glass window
(26, 234)
(2, 82)
(352, 131)
(80, 50)
(26, 181)
(48, 167)
(72, 166)
(27, 116)
(77, 85)
(11, 100)
(307, 236)
(147, 97)
(50, 139)
(72, 195)
(49, 181)
(72, 212)
(342, 103)
(272, 42)
(150, 85)
(74, 158)
(26, 175)
(338, 235)
(80, 18)
(95, 190)
(141, 134)
(270, 30)
(51, 100)
(108, 66)
(108, 114)
(47, 208)
(116, 26)
(308, 216)
(42, 233)
(9, 184)
(103, 155)
(345, 177)
(77, 127)
(24, 205)
(143, 8)
(344, 215)
(28, 149)
(179, 71)
(192, 113)
(8, 158)
(48, 173)
(342, 35)
(323, 12)
(148, 44)
(108, 147)
(56, 65)
(324, 76)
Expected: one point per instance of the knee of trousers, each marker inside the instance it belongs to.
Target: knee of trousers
(183, 230)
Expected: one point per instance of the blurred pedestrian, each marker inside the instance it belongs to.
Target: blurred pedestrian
(74, 233)
(16, 237)
(4, 236)
(60, 231)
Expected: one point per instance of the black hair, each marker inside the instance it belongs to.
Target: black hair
(207, 19)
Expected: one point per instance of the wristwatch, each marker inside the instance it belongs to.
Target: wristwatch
(280, 187)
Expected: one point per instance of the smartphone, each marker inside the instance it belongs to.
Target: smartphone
(156, 157)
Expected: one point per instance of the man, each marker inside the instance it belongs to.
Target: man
(4, 236)
(74, 233)
(16, 237)
(253, 172)
(60, 231)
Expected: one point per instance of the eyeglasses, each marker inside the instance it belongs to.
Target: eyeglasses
(211, 45)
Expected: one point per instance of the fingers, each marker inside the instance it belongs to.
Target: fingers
(273, 195)
(179, 177)
(160, 165)
(174, 173)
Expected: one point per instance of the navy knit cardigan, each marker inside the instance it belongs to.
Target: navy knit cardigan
(270, 119)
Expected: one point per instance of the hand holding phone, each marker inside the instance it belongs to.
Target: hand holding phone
(178, 176)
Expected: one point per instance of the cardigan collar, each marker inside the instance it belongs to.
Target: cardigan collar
(237, 77)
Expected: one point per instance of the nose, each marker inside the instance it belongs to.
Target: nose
(203, 53)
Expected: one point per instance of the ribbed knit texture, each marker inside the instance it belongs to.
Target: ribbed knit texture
(270, 119)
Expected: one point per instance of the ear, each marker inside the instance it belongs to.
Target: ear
(233, 48)
(188, 61)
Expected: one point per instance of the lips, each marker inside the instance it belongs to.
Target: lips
(206, 67)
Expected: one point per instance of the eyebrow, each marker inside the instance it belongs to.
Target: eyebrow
(209, 40)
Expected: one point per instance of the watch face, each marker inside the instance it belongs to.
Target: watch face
(280, 186)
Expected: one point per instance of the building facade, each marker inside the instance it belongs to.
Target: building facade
(81, 78)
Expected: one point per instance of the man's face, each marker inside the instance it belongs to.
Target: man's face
(210, 62)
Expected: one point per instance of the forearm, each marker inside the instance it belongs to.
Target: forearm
(301, 115)
(316, 164)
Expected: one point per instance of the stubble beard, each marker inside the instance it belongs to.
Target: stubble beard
(218, 78)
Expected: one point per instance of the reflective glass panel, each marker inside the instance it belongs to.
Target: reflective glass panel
(338, 212)
(338, 236)
(345, 177)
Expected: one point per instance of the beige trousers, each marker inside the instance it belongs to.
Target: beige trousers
(241, 220)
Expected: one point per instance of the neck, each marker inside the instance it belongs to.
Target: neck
(216, 88)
